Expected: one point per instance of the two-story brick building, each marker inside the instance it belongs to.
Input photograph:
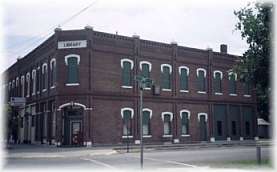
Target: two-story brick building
(80, 90)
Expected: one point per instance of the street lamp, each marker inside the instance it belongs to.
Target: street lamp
(142, 81)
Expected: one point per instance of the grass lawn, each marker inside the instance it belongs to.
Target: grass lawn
(246, 164)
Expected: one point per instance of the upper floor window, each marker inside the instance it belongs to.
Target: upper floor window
(28, 84)
(166, 70)
(38, 80)
(167, 118)
(127, 67)
(34, 81)
(52, 72)
(146, 117)
(22, 86)
(44, 76)
(17, 86)
(185, 116)
(201, 80)
(72, 61)
(127, 114)
(247, 87)
(184, 73)
(217, 82)
(145, 68)
(232, 83)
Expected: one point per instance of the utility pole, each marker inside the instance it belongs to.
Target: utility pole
(142, 81)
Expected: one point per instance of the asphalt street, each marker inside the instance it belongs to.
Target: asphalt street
(110, 159)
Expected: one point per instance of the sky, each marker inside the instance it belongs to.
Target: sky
(198, 24)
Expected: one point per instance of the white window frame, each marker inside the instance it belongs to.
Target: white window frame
(127, 108)
(34, 78)
(28, 84)
(126, 60)
(187, 111)
(221, 77)
(201, 69)
(53, 61)
(204, 114)
(45, 77)
(171, 118)
(150, 114)
(22, 79)
(170, 72)
(72, 55)
(13, 84)
(16, 81)
(38, 72)
(229, 77)
(145, 62)
(180, 70)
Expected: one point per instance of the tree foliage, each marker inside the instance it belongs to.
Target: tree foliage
(255, 27)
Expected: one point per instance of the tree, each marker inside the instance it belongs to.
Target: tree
(254, 66)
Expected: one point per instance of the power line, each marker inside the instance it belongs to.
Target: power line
(38, 38)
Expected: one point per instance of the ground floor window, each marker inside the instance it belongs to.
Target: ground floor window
(167, 118)
(219, 128)
(146, 123)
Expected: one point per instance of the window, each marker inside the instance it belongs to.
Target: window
(145, 68)
(247, 89)
(34, 82)
(184, 73)
(28, 84)
(185, 116)
(201, 80)
(217, 82)
(44, 77)
(247, 128)
(126, 66)
(22, 86)
(127, 115)
(52, 73)
(17, 86)
(232, 83)
(166, 70)
(72, 61)
(146, 116)
(234, 128)
(38, 80)
(167, 119)
(219, 128)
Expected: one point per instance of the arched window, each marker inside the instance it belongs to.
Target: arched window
(167, 118)
(247, 87)
(72, 61)
(34, 82)
(232, 83)
(52, 73)
(146, 124)
(127, 114)
(166, 70)
(22, 86)
(126, 66)
(185, 116)
(145, 68)
(201, 80)
(28, 84)
(44, 77)
(184, 73)
(38, 79)
(217, 82)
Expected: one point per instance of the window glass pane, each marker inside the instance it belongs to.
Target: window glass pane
(72, 70)
(247, 87)
(166, 78)
(167, 125)
(146, 122)
(146, 73)
(184, 79)
(217, 83)
(201, 81)
(126, 75)
(185, 123)
(232, 84)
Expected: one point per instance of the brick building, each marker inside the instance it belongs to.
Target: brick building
(80, 90)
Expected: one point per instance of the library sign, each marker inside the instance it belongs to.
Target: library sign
(72, 44)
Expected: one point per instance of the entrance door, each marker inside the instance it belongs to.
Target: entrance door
(203, 128)
(76, 133)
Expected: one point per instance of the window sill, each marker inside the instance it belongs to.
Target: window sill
(233, 95)
(167, 135)
(185, 135)
(147, 136)
(72, 84)
(218, 94)
(147, 88)
(126, 137)
(52, 87)
(123, 86)
(33, 94)
(44, 90)
(184, 91)
(164, 89)
(202, 92)
(28, 95)
(246, 95)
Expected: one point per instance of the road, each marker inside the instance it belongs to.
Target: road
(195, 158)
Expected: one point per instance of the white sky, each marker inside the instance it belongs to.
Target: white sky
(198, 24)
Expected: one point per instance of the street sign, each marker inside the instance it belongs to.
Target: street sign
(17, 101)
